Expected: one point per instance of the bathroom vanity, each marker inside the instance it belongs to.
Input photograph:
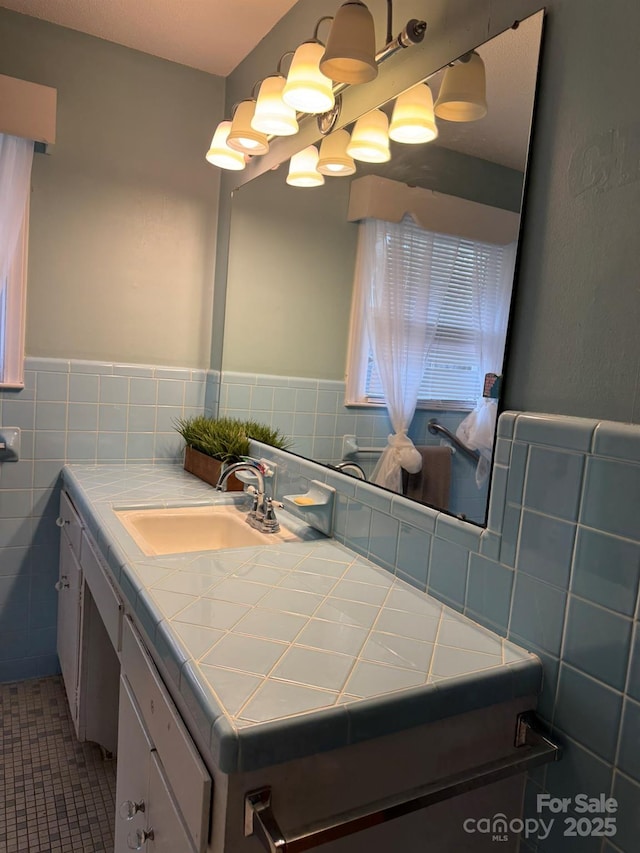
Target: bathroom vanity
(280, 696)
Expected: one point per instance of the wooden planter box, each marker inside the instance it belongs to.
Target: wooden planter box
(208, 469)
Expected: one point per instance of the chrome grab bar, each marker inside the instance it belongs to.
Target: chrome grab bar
(260, 821)
(437, 429)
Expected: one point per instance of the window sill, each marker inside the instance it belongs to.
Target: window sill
(425, 405)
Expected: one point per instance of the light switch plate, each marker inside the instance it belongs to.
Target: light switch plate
(9, 444)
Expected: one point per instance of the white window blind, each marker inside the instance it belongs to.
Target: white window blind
(466, 285)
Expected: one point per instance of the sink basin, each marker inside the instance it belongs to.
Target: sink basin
(201, 528)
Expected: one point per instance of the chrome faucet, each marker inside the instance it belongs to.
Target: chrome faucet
(356, 470)
(262, 514)
(250, 465)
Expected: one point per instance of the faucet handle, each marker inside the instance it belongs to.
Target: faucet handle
(270, 522)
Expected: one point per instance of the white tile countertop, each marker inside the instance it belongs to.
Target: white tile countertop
(284, 650)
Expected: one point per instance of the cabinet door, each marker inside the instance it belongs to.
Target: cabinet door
(69, 588)
(168, 831)
(132, 780)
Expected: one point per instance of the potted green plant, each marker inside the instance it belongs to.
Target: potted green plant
(211, 443)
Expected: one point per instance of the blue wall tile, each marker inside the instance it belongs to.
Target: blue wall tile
(634, 668)
(555, 430)
(538, 613)
(554, 482)
(489, 590)
(606, 570)
(61, 400)
(629, 749)
(612, 497)
(597, 642)
(413, 553)
(546, 546)
(448, 574)
(588, 711)
(383, 539)
(627, 793)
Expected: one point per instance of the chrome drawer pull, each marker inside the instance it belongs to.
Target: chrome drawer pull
(63, 583)
(533, 747)
(60, 521)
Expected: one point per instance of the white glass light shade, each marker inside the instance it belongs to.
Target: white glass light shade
(334, 159)
(307, 89)
(242, 137)
(219, 154)
(463, 91)
(350, 54)
(303, 169)
(412, 120)
(370, 138)
(272, 115)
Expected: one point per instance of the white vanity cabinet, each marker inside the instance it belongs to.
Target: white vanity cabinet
(89, 627)
(147, 817)
(118, 700)
(158, 753)
(69, 587)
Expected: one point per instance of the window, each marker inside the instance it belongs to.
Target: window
(467, 285)
(15, 176)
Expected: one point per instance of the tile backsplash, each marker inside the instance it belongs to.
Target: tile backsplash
(71, 411)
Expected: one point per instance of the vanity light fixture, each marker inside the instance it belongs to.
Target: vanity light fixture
(370, 138)
(219, 153)
(463, 95)
(272, 116)
(303, 169)
(307, 89)
(348, 58)
(334, 160)
(350, 54)
(412, 120)
(242, 136)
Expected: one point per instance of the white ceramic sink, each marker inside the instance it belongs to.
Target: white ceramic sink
(201, 528)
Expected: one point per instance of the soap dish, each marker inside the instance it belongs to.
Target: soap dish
(314, 506)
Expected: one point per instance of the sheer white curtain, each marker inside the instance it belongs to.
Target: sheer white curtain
(491, 313)
(16, 157)
(396, 314)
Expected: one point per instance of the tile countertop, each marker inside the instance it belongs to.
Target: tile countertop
(286, 650)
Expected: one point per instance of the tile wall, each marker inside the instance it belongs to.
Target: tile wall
(312, 413)
(71, 411)
(557, 571)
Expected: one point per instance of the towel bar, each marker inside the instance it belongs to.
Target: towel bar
(261, 822)
(350, 447)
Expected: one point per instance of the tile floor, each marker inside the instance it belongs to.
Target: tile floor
(56, 795)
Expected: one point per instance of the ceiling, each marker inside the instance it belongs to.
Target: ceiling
(211, 35)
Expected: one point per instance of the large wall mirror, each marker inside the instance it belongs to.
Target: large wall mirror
(291, 272)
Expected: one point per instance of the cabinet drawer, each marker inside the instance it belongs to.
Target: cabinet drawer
(70, 522)
(106, 599)
(185, 771)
